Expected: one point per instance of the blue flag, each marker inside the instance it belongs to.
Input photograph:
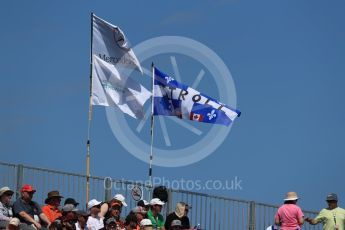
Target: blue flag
(171, 98)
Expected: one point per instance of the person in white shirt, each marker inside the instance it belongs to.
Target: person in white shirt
(94, 222)
(82, 220)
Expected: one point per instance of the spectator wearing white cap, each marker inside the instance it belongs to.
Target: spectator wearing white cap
(146, 224)
(94, 222)
(181, 212)
(113, 209)
(6, 212)
(332, 217)
(289, 216)
(154, 213)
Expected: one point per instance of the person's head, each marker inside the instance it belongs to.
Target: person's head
(140, 213)
(82, 218)
(175, 225)
(115, 210)
(180, 209)
(156, 205)
(291, 198)
(144, 204)
(131, 221)
(332, 200)
(71, 201)
(6, 195)
(53, 198)
(94, 206)
(110, 224)
(146, 224)
(13, 224)
(69, 216)
(27, 192)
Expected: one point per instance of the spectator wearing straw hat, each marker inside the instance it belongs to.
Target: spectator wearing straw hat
(6, 212)
(289, 216)
(51, 209)
(154, 214)
(29, 212)
(181, 212)
(94, 222)
(332, 217)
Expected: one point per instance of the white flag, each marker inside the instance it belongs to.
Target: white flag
(109, 88)
(110, 44)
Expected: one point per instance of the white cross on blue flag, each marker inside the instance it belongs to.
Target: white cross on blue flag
(171, 98)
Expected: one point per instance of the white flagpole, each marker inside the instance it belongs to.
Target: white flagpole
(89, 122)
(152, 128)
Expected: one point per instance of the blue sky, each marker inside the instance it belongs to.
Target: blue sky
(286, 59)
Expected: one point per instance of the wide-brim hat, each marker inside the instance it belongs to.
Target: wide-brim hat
(291, 196)
(4, 190)
(52, 194)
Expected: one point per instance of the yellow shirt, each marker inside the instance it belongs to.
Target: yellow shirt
(329, 217)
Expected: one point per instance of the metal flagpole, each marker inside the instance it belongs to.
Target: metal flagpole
(152, 126)
(89, 122)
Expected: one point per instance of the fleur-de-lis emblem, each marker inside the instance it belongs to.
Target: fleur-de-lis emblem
(169, 79)
(211, 115)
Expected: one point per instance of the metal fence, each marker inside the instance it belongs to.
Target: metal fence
(211, 212)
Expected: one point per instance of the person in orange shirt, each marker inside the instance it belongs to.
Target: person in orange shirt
(51, 209)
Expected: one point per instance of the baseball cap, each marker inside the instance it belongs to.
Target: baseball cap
(176, 223)
(92, 203)
(69, 208)
(156, 201)
(27, 188)
(4, 190)
(145, 222)
(71, 201)
(332, 197)
(120, 198)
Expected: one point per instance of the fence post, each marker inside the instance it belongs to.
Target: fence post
(169, 203)
(251, 218)
(107, 189)
(20, 176)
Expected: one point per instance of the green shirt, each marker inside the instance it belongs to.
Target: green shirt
(326, 217)
(157, 222)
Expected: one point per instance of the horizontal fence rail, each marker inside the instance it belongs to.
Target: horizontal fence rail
(209, 211)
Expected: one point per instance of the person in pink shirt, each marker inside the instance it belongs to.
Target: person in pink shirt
(289, 216)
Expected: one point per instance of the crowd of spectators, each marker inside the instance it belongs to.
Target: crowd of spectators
(26, 214)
